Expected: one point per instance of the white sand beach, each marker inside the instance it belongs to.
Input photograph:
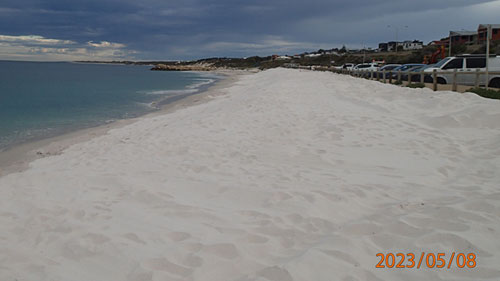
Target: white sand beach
(282, 175)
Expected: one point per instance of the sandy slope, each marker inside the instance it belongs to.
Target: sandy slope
(288, 176)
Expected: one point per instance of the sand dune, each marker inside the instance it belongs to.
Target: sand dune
(285, 175)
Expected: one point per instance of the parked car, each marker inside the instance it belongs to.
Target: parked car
(372, 66)
(345, 66)
(404, 68)
(466, 66)
(388, 68)
(415, 73)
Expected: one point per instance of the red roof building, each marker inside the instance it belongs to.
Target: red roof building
(482, 31)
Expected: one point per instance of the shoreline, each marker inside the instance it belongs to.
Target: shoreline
(17, 158)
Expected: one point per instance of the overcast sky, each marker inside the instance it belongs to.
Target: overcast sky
(191, 29)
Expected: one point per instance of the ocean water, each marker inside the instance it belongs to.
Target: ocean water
(40, 99)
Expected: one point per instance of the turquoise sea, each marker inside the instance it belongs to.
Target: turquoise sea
(44, 99)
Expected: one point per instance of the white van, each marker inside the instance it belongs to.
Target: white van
(466, 66)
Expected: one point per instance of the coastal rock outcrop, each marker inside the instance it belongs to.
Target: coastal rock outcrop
(183, 67)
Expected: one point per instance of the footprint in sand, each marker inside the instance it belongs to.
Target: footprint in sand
(178, 236)
(193, 261)
(162, 264)
(275, 273)
(223, 250)
(143, 276)
(134, 237)
(256, 239)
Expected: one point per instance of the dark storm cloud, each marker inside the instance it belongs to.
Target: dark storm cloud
(194, 28)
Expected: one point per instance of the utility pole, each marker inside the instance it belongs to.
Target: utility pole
(488, 36)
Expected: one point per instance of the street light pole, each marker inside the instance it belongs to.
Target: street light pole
(397, 43)
(397, 33)
(449, 45)
(364, 52)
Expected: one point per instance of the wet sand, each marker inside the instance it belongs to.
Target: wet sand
(17, 158)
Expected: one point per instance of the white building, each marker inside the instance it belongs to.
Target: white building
(412, 45)
(284, 58)
(313, 55)
(405, 45)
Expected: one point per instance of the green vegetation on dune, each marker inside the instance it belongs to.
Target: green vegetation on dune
(490, 94)
(416, 85)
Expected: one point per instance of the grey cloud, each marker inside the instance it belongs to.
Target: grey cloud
(159, 29)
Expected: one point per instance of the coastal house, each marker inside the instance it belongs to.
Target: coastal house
(391, 46)
(331, 52)
(412, 45)
(383, 47)
(278, 57)
(442, 42)
(405, 45)
(284, 58)
(482, 32)
(313, 55)
(463, 37)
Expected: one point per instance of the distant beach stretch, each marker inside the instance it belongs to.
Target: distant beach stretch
(276, 175)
